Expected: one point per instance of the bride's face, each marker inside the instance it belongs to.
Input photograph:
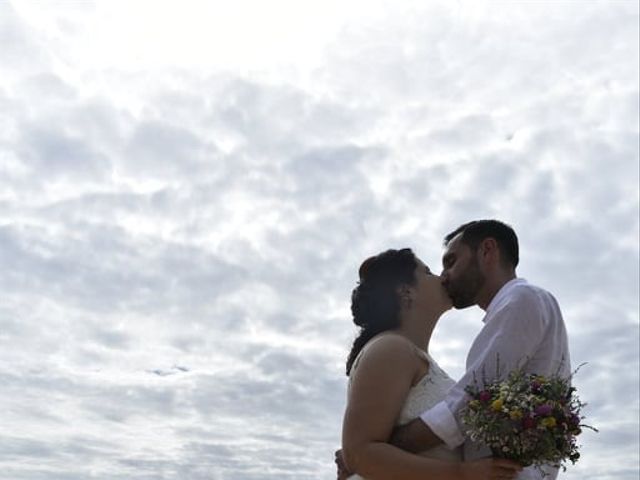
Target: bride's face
(429, 291)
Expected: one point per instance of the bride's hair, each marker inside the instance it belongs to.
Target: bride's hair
(375, 305)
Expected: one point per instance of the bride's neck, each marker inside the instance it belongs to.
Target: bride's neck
(418, 330)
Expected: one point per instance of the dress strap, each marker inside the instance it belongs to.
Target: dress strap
(424, 355)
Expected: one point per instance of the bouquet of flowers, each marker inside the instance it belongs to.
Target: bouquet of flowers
(531, 419)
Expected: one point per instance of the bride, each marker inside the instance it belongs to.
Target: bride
(392, 377)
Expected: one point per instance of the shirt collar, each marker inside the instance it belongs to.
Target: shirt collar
(503, 292)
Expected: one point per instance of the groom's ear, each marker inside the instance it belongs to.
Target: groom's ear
(489, 250)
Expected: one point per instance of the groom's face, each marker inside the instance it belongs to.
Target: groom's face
(461, 274)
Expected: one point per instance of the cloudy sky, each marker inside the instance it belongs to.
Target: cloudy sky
(188, 188)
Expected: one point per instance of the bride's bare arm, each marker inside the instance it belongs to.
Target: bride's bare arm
(379, 387)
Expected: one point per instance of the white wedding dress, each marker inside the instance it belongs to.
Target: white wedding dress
(430, 390)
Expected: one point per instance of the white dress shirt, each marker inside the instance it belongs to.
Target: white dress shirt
(523, 329)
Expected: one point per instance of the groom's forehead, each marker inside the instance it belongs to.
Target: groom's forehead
(454, 247)
(454, 244)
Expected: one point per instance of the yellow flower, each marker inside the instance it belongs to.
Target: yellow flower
(497, 404)
(515, 414)
(474, 404)
(549, 422)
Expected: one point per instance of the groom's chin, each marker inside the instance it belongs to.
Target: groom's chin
(461, 305)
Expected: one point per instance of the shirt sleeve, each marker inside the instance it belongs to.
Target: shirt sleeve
(509, 338)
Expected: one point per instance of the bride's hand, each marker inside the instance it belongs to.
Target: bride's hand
(489, 469)
(342, 470)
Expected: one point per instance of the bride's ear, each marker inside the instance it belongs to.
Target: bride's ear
(405, 295)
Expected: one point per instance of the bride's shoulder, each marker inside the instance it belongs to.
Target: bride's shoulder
(389, 345)
(388, 357)
(389, 340)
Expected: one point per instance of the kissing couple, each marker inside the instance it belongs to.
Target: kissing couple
(403, 415)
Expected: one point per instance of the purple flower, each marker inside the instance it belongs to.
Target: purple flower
(543, 410)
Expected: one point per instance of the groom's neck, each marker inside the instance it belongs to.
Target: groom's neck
(492, 286)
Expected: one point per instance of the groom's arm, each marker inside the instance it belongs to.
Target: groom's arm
(515, 332)
(433, 427)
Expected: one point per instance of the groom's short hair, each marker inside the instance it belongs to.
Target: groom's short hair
(473, 233)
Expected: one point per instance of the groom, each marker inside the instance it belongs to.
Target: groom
(523, 328)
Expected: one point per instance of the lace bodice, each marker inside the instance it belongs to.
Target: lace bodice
(429, 391)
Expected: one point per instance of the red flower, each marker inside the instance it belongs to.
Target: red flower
(484, 396)
(528, 422)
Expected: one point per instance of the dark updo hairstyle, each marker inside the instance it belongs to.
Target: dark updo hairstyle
(374, 302)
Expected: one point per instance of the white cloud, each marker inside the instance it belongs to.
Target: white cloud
(187, 194)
